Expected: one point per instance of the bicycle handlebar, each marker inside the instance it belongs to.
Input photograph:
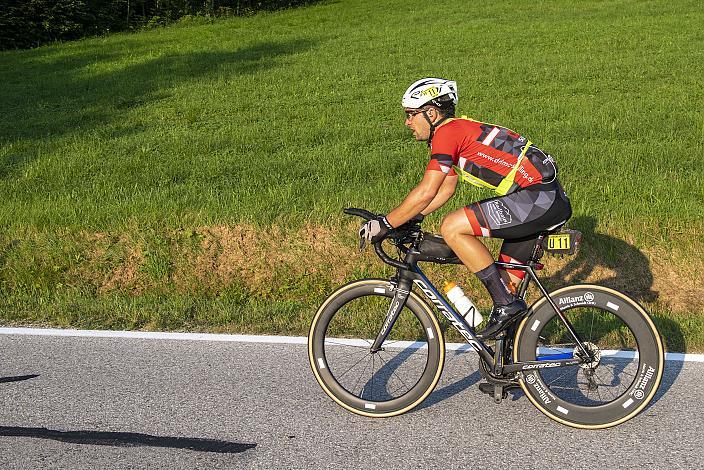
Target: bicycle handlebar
(389, 260)
(366, 215)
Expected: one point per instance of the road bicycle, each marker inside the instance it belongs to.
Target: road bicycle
(585, 355)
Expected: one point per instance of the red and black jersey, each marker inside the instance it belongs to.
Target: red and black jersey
(489, 152)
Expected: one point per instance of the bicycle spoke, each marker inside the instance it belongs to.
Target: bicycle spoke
(612, 369)
(598, 392)
(606, 387)
(354, 388)
(329, 341)
(393, 372)
(352, 366)
(373, 375)
(559, 377)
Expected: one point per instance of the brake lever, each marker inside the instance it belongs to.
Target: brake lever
(362, 244)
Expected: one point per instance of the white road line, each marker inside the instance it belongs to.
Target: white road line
(271, 339)
(155, 335)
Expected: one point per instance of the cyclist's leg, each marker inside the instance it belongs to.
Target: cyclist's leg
(519, 240)
(515, 251)
(461, 236)
(517, 215)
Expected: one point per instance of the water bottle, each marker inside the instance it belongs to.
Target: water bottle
(462, 303)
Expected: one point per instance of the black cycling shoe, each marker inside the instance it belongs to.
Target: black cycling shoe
(501, 317)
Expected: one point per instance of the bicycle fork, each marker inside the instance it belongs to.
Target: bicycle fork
(402, 291)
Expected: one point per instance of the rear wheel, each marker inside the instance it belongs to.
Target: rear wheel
(383, 383)
(617, 379)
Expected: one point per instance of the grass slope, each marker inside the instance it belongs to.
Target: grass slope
(125, 159)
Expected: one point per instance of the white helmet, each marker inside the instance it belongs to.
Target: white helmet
(428, 90)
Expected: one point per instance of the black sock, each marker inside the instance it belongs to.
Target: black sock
(491, 279)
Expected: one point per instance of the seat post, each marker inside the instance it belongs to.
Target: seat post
(535, 256)
(537, 250)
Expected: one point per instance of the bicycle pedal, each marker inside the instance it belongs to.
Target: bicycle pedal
(490, 389)
(486, 388)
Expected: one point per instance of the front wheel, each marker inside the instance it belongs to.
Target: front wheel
(615, 380)
(387, 382)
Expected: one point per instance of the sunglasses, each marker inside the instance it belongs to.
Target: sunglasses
(410, 114)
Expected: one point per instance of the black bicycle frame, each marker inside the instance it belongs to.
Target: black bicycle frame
(404, 280)
(524, 287)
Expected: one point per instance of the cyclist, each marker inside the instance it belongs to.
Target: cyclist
(530, 198)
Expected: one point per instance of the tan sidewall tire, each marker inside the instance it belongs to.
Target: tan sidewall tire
(661, 356)
(437, 331)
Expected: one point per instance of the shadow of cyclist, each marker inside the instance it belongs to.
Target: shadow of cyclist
(629, 268)
(384, 380)
(460, 359)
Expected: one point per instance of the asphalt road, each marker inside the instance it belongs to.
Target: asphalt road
(133, 403)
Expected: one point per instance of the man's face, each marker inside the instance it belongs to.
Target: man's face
(417, 123)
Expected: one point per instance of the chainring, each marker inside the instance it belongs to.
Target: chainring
(488, 375)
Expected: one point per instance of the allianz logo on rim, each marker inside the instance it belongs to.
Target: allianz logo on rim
(587, 297)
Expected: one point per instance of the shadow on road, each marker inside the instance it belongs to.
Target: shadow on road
(127, 439)
(18, 378)
(458, 386)
(450, 390)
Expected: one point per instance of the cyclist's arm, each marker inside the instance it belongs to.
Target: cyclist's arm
(418, 199)
(444, 194)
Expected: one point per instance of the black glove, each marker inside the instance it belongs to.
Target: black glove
(375, 230)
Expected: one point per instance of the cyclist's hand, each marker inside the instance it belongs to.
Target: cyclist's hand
(375, 230)
(413, 224)
(416, 219)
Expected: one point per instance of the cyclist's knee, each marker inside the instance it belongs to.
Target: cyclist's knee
(445, 229)
(455, 224)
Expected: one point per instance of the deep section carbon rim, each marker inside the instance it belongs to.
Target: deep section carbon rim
(625, 357)
(387, 382)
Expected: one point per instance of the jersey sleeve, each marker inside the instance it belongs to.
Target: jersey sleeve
(441, 162)
(443, 153)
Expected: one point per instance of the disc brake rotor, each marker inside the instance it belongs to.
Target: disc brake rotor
(593, 351)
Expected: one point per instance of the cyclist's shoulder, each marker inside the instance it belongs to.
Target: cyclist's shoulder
(463, 122)
(458, 127)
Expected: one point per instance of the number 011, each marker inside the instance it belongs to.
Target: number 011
(559, 242)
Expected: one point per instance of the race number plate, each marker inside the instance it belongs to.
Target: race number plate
(563, 243)
(560, 241)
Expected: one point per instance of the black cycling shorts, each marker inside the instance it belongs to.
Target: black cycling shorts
(519, 217)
